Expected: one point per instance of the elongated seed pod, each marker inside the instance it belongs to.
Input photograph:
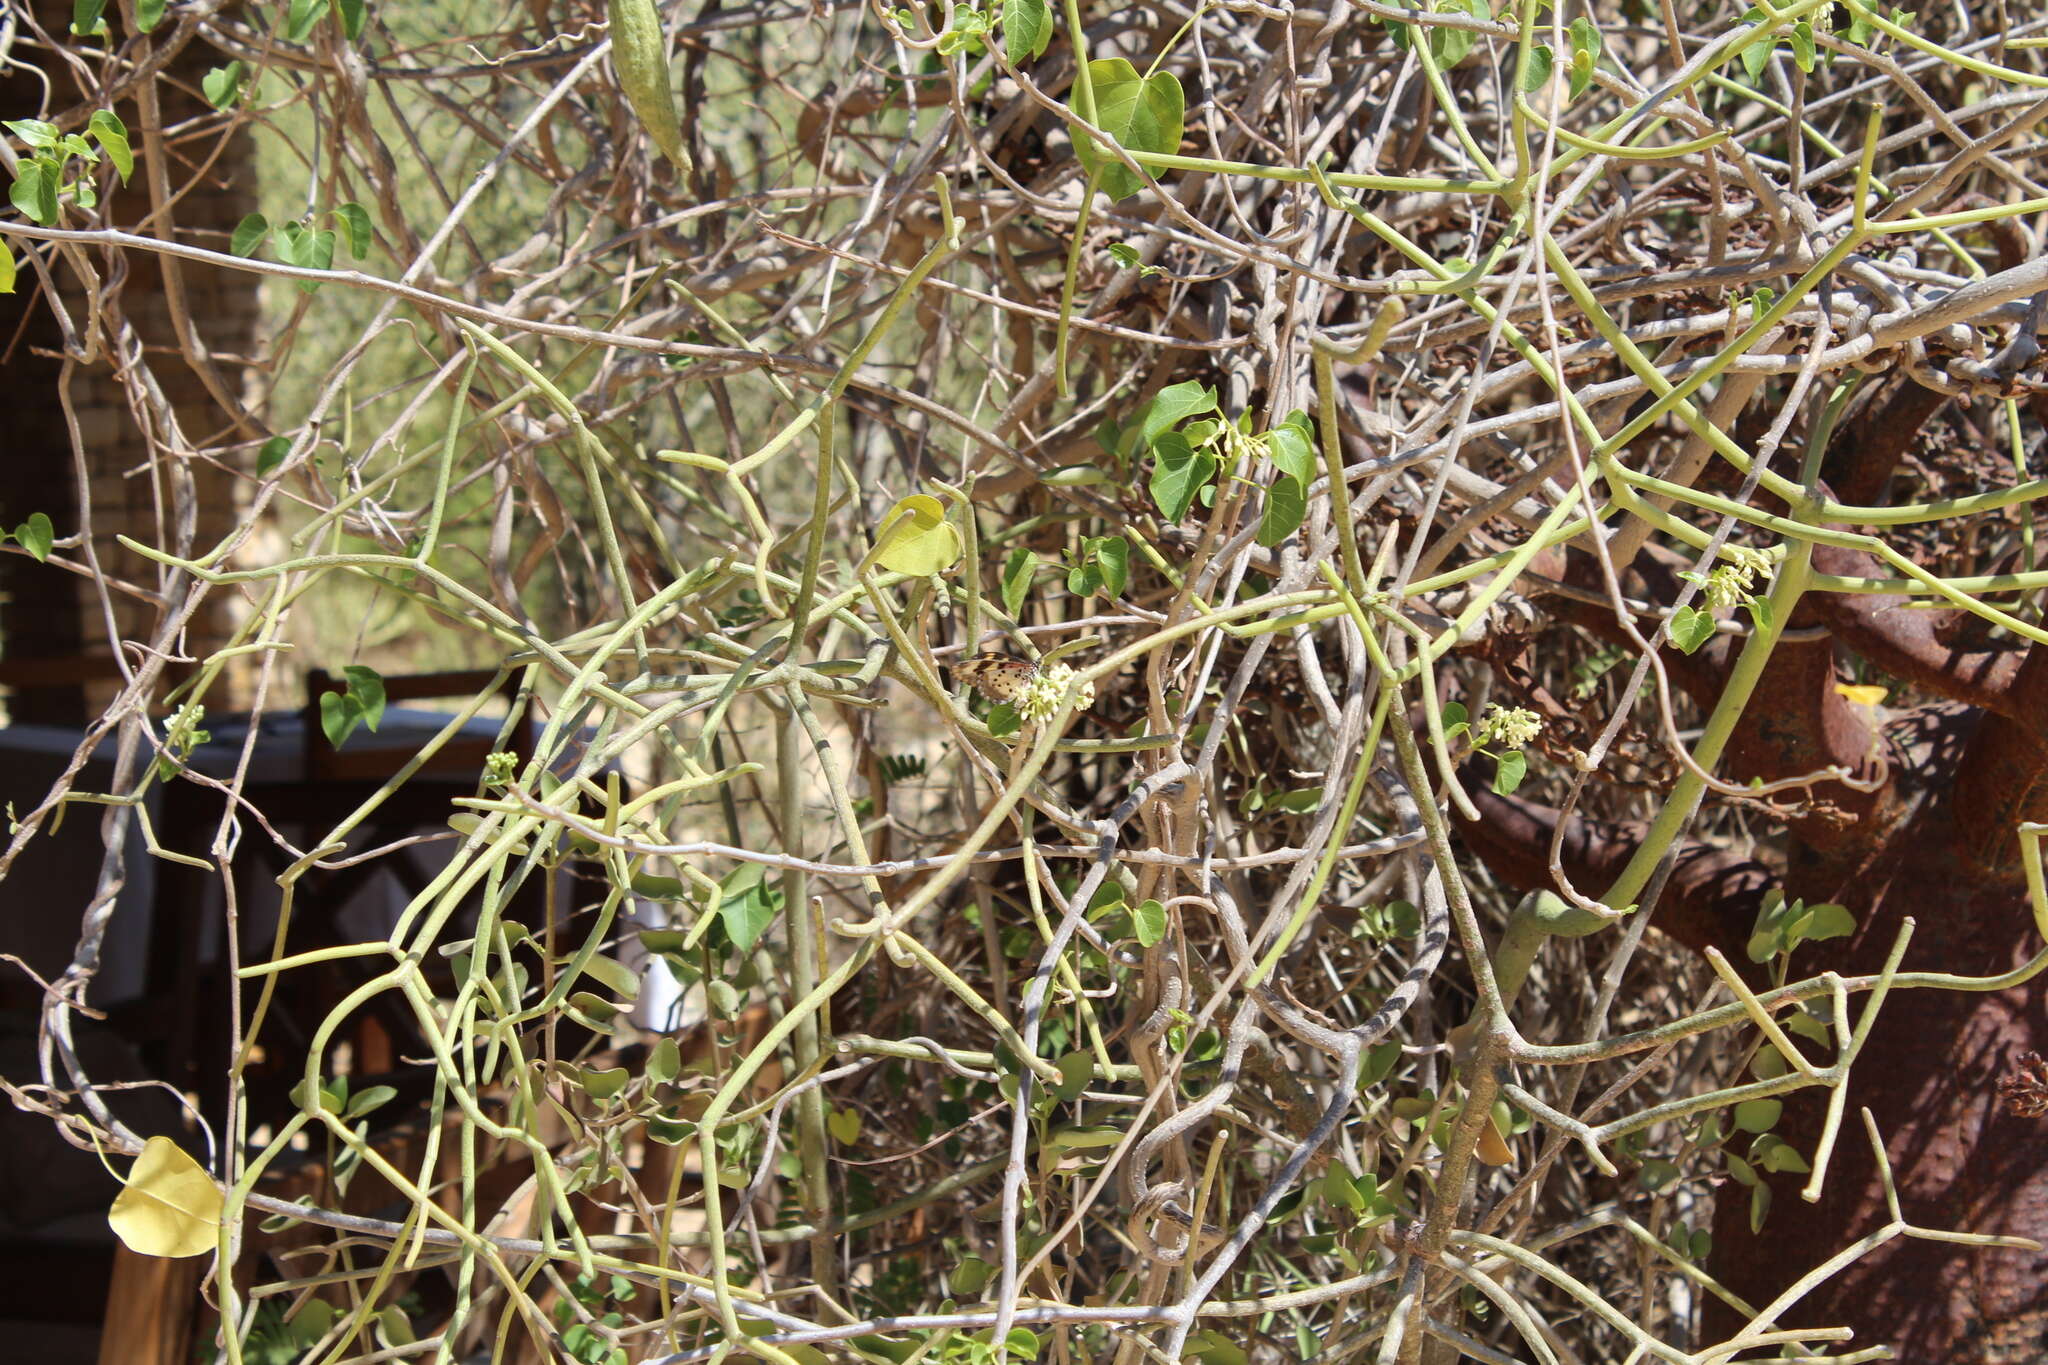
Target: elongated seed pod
(640, 56)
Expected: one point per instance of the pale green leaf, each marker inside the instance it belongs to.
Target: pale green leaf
(1829, 921)
(368, 1099)
(1113, 553)
(970, 1276)
(614, 975)
(603, 1083)
(1077, 1069)
(917, 539)
(112, 135)
(1148, 923)
(1017, 573)
(222, 86)
(664, 1061)
(394, 1328)
(36, 133)
(1781, 1157)
(1802, 45)
(1758, 1116)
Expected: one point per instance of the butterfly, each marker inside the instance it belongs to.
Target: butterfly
(996, 675)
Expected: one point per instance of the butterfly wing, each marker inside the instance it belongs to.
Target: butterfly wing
(997, 676)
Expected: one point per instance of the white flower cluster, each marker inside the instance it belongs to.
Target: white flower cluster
(1736, 582)
(1510, 727)
(1040, 699)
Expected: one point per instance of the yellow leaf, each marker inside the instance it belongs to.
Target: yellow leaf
(1493, 1148)
(1862, 694)
(171, 1207)
(916, 538)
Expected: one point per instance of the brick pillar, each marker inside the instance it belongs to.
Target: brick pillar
(47, 613)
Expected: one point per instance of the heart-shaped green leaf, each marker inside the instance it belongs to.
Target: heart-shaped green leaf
(1142, 113)
(36, 535)
(1173, 405)
(1690, 628)
(1288, 446)
(1178, 474)
(222, 86)
(1148, 923)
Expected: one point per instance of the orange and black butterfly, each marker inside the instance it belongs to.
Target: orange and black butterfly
(996, 675)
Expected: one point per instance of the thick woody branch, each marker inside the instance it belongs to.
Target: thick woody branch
(1709, 901)
(1907, 642)
(1869, 446)
(2002, 780)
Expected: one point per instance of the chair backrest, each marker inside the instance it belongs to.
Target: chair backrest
(70, 689)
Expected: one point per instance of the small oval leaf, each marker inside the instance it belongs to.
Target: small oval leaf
(616, 976)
